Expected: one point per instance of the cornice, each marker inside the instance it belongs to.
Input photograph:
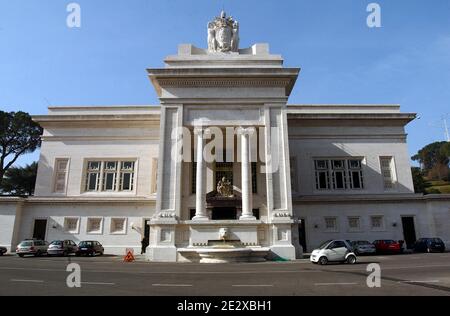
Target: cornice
(81, 200)
(349, 136)
(364, 198)
(98, 138)
(223, 77)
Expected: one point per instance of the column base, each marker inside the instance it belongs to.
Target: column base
(247, 218)
(200, 218)
(161, 253)
(286, 252)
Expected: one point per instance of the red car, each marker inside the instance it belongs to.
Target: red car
(388, 246)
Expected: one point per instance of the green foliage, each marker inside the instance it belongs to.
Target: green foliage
(19, 135)
(433, 191)
(20, 180)
(420, 184)
(432, 155)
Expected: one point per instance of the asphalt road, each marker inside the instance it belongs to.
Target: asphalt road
(408, 274)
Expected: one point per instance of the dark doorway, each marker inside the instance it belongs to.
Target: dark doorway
(222, 213)
(302, 234)
(146, 239)
(409, 231)
(40, 228)
(147, 229)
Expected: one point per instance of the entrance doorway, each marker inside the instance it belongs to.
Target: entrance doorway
(146, 237)
(222, 213)
(302, 234)
(40, 228)
(409, 231)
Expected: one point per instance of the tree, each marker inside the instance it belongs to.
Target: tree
(431, 155)
(445, 150)
(419, 182)
(20, 180)
(19, 135)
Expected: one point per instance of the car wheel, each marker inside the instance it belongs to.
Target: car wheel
(323, 260)
(351, 259)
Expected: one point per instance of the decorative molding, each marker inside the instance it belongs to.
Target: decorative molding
(224, 82)
(98, 138)
(349, 136)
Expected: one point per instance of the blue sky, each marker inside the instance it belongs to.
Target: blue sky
(406, 61)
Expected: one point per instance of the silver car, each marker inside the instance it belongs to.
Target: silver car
(62, 248)
(33, 247)
(363, 247)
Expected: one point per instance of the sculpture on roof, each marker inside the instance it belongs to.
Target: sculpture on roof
(223, 34)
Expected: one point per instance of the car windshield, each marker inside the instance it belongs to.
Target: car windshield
(26, 243)
(438, 240)
(389, 242)
(363, 242)
(86, 243)
(56, 243)
(323, 245)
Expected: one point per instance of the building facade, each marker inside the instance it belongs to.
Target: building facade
(224, 157)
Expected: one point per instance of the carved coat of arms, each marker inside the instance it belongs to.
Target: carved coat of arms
(223, 34)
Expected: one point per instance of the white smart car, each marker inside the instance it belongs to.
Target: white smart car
(333, 251)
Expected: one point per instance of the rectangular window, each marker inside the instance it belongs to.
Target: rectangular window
(193, 177)
(386, 164)
(331, 224)
(338, 174)
(94, 226)
(355, 174)
(61, 166)
(71, 225)
(191, 213)
(118, 226)
(376, 222)
(110, 175)
(354, 223)
(126, 175)
(93, 175)
(322, 175)
(193, 173)
(254, 178)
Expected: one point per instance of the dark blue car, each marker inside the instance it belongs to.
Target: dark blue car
(429, 245)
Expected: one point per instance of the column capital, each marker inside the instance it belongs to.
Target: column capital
(202, 131)
(245, 130)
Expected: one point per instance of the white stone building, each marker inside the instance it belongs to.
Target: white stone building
(295, 175)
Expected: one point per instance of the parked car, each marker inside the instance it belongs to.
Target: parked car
(333, 251)
(388, 246)
(363, 247)
(62, 248)
(3, 250)
(90, 247)
(34, 247)
(429, 245)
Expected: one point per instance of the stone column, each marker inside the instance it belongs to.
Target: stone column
(246, 173)
(200, 184)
